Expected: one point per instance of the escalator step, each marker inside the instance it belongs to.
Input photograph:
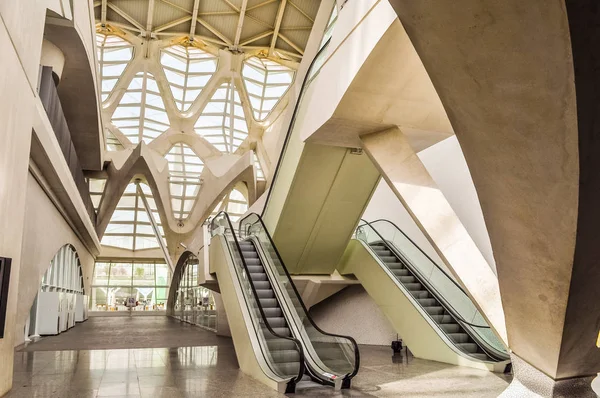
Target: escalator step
(262, 285)
(273, 312)
(280, 344)
(288, 368)
(252, 261)
(256, 269)
(414, 286)
(265, 293)
(249, 254)
(451, 327)
(258, 277)
(471, 348)
(460, 338)
(281, 331)
(383, 252)
(421, 294)
(395, 266)
(282, 356)
(401, 272)
(389, 259)
(435, 310)
(408, 279)
(428, 302)
(276, 322)
(269, 303)
(441, 319)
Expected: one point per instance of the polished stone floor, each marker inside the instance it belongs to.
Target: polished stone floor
(211, 370)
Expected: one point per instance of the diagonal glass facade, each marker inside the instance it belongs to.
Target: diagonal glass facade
(114, 54)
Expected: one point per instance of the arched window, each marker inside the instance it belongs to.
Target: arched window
(185, 168)
(266, 82)
(188, 69)
(64, 273)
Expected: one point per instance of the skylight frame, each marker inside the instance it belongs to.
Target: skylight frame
(263, 104)
(227, 135)
(189, 56)
(138, 219)
(149, 120)
(110, 42)
(189, 176)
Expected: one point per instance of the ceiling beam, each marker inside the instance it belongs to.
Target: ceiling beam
(257, 37)
(214, 31)
(180, 8)
(103, 13)
(123, 26)
(240, 24)
(280, 12)
(230, 4)
(171, 24)
(288, 41)
(301, 12)
(264, 3)
(194, 16)
(150, 18)
(128, 17)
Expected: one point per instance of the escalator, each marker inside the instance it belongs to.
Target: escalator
(412, 278)
(276, 340)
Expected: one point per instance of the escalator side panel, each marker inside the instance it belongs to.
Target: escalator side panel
(246, 344)
(418, 331)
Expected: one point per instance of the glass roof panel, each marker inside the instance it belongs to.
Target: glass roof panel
(114, 54)
(223, 121)
(260, 176)
(266, 82)
(129, 227)
(185, 168)
(188, 69)
(141, 114)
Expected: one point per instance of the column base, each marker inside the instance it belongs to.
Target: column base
(530, 382)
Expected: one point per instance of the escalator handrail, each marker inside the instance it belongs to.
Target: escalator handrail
(312, 322)
(444, 301)
(301, 370)
(307, 79)
(419, 248)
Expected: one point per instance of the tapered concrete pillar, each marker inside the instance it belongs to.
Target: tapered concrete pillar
(398, 163)
(519, 83)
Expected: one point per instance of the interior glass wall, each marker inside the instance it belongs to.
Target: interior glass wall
(195, 304)
(115, 281)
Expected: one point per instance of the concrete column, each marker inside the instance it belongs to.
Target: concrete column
(520, 86)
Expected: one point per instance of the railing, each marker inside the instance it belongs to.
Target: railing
(445, 289)
(221, 225)
(339, 354)
(51, 102)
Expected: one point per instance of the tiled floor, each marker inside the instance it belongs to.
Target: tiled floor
(212, 371)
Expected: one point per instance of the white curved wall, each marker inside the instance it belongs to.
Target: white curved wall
(45, 232)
